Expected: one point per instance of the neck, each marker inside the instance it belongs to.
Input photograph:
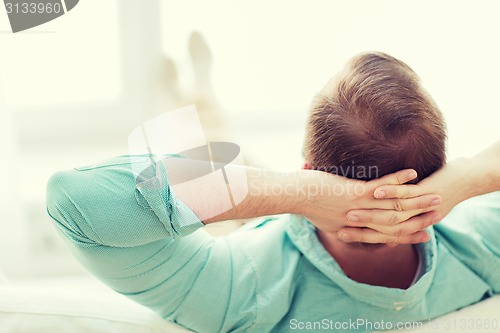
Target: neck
(378, 265)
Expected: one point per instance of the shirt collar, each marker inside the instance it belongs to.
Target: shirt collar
(303, 235)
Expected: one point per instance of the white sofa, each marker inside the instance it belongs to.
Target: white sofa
(83, 304)
(76, 305)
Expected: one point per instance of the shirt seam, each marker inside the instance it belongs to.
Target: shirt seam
(258, 313)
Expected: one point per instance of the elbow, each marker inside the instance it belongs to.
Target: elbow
(57, 197)
(62, 194)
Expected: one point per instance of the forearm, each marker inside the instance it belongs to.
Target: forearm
(476, 175)
(268, 193)
(485, 170)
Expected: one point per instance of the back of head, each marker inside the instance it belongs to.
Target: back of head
(375, 118)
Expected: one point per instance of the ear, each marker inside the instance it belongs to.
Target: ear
(306, 166)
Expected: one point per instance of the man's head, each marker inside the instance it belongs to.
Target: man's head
(375, 118)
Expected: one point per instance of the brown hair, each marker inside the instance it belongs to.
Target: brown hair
(375, 118)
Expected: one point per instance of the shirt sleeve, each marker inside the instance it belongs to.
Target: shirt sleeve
(144, 243)
(472, 232)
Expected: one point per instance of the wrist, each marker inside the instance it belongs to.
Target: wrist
(484, 175)
(469, 180)
(277, 192)
(485, 166)
(292, 197)
(312, 188)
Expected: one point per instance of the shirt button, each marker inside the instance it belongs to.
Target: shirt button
(398, 306)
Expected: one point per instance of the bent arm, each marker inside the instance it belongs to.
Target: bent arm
(107, 205)
(142, 244)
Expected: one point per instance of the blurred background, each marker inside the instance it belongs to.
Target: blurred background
(72, 90)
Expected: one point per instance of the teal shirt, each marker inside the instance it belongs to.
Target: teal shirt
(272, 276)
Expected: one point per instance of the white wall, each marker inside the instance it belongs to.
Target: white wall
(10, 222)
(272, 56)
(71, 90)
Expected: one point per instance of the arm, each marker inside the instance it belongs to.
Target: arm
(325, 199)
(95, 203)
(125, 237)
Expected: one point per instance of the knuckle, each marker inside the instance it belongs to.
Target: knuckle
(390, 191)
(398, 232)
(393, 220)
(431, 220)
(354, 204)
(398, 205)
(422, 224)
(420, 204)
(416, 239)
(357, 238)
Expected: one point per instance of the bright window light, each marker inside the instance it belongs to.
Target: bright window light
(60, 62)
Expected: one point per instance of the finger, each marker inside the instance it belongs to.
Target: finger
(362, 217)
(366, 235)
(396, 178)
(367, 217)
(413, 225)
(398, 191)
(421, 202)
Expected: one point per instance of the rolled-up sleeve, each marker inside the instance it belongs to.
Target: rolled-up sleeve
(472, 232)
(144, 243)
(105, 204)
